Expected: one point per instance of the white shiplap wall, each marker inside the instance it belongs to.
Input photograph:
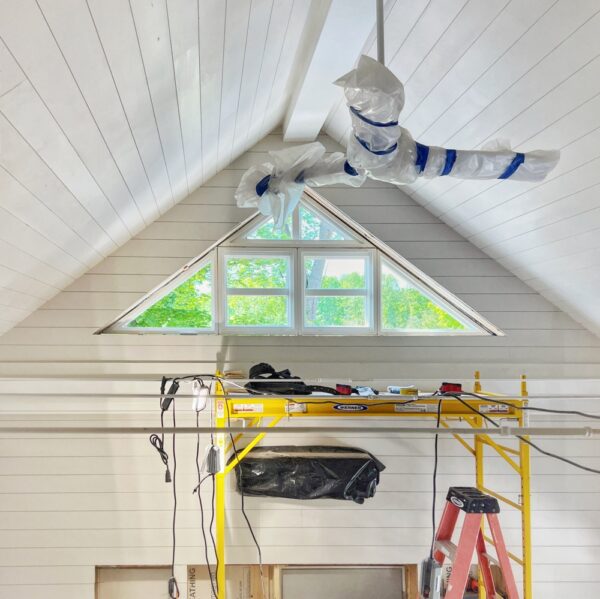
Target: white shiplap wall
(68, 504)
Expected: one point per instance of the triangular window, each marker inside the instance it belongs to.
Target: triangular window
(188, 307)
(306, 224)
(321, 274)
(266, 231)
(314, 227)
(405, 307)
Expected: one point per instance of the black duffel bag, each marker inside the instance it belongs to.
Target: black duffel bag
(309, 472)
(273, 382)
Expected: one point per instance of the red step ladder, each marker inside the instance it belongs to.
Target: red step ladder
(475, 504)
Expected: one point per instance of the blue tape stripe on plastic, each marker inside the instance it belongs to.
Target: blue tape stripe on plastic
(365, 145)
(422, 155)
(369, 121)
(299, 178)
(517, 161)
(450, 160)
(263, 185)
(349, 169)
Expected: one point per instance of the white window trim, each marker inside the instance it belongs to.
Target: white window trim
(224, 292)
(370, 291)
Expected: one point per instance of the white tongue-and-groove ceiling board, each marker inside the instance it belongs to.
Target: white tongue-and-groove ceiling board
(111, 111)
(528, 72)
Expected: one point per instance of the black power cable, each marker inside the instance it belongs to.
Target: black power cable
(211, 526)
(521, 438)
(158, 442)
(173, 588)
(174, 529)
(435, 469)
(533, 408)
(198, 490)
(245, 515)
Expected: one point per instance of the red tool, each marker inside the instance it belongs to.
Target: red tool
(475, 504)
(450, 388)
(343, 389)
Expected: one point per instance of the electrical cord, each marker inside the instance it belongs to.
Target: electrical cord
(435, 469)
(198, 490)
(521, 438)
(534, 408)
(212, 505)
(210, 529)
(158, 442)
(241, 487)
(173, 582)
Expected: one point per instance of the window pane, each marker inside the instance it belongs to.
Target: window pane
(258, 273)
(316, 228)
(267, 231)
(403, 306)
(187, 306)
(257, 310)
(335, 311)
(332, 272)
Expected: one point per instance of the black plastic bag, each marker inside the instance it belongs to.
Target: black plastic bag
(281, 382)
(309, 472)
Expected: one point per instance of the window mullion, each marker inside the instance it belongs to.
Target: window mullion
(337, 292)
(258, 291)
(296, 223)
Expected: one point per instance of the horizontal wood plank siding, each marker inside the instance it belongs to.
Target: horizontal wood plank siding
(69, 503)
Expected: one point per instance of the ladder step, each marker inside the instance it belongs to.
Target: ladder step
(492, 559)
(447, 548)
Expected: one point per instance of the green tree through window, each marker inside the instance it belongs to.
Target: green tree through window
(403, 307)
(188, 306)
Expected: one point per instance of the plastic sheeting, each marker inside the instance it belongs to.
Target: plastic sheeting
(379, 148)
(312, 472)
(275, 187)
(387, 152)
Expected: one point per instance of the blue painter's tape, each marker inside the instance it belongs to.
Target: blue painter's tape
(422, 156)
(517, 161)
(365, 145)
(263, 185)
(349, 169)
(369, 121)
(450, 160)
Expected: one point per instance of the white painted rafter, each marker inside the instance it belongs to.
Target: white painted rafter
(339, 35)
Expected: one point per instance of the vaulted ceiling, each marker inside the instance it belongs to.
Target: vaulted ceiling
(111, 111)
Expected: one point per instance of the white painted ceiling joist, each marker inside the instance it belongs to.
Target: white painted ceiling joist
(340, 31)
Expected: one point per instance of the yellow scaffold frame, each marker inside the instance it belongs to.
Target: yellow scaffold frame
(257, 409)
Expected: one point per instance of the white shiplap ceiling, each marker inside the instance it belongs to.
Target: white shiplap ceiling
(528, 72)
(111, 111)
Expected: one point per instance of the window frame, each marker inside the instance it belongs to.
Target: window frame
(360, 238)
(223, 291)
(370, 291)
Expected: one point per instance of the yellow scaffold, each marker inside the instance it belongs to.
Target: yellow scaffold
(269, 411)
